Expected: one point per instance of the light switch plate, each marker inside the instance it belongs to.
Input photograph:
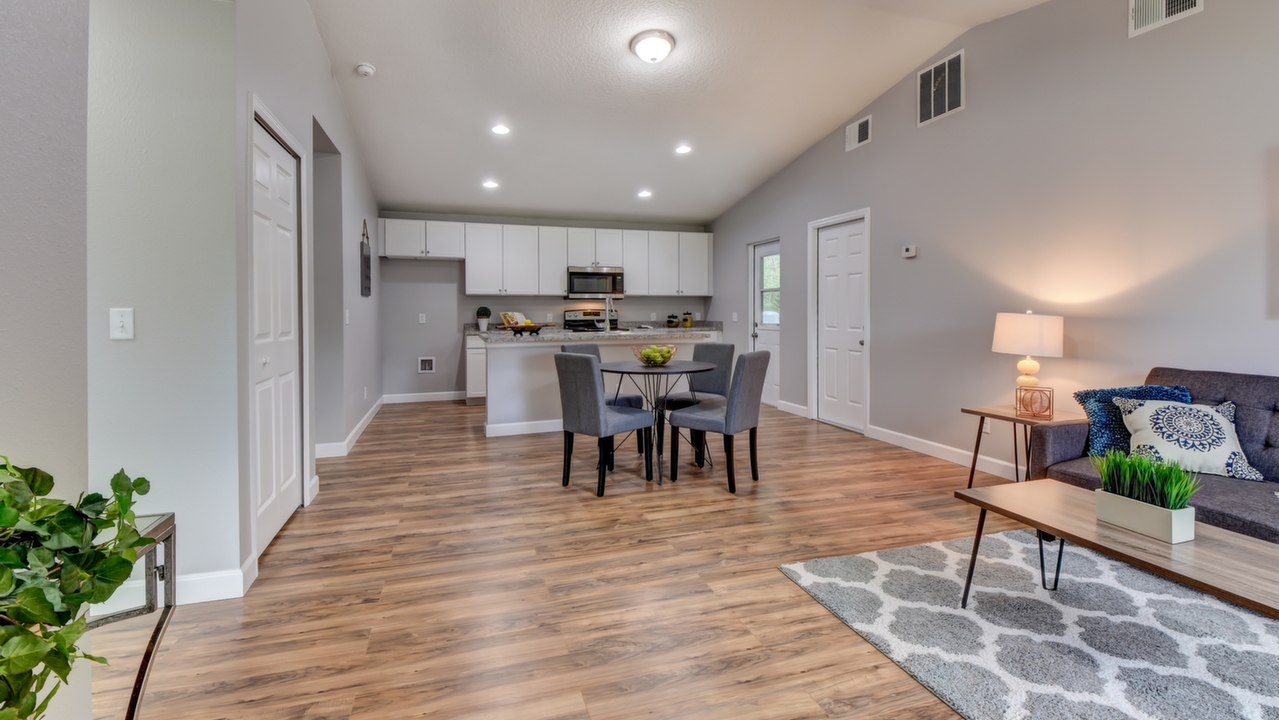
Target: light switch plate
(121, 323)
(421, 318)
(734, 317)
(909, 251)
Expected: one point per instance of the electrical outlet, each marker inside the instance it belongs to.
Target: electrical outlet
(697, 317)
(734, 317)
(652, 316)
(550, 317)
(421, 318)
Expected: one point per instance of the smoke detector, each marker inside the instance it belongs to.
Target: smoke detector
(365, 70)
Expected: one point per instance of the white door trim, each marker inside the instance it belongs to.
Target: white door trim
(813, 228)
(258, 112)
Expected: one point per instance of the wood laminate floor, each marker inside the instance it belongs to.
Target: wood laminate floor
(441, 574)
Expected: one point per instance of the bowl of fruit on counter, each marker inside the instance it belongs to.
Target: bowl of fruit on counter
(653, 355)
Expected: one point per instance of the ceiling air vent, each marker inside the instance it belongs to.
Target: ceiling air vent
(941, 88)
(857, 134)
(1146, 15)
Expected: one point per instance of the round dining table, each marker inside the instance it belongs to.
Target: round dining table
(655, 383)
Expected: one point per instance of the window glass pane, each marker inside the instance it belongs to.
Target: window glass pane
(771, 271)
(770, 303)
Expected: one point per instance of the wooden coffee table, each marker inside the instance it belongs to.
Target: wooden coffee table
(1236, 568)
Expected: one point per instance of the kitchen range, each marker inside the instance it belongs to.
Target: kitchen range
(591, 321)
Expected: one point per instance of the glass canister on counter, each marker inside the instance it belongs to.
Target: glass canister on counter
(688, 320)
(672, 321)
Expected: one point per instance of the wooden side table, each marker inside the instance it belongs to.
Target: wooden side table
(1009, 413)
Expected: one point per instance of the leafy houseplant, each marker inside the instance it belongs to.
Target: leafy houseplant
(1147, 496)
(56, 559)
(482, 315)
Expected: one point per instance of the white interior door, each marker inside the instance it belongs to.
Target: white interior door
(841, 329)
(277, 387)
(767, 311)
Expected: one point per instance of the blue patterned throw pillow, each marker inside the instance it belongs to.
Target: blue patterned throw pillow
(1199, 438)
(1106, 429)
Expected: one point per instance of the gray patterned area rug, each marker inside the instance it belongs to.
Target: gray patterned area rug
(1111, 642)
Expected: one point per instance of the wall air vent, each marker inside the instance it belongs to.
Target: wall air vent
(857, 134)
(426, 365)
(1144, 15)
(941, 88)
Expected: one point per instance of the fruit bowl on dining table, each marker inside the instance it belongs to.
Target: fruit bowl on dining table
(653, 355)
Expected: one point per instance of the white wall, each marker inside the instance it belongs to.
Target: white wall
(44, 49)
(281, 59)
(1126, 184)
(161, 221)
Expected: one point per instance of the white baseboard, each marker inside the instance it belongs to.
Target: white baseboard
(248, 573)
(1001, 468)
(523, 428)
(424, 397)
(341, 449)
(192, 588)
(792, 408)
(312, 489)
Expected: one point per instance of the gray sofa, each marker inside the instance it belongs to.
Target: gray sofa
(1244, 506)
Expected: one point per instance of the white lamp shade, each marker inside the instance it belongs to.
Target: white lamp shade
(1027, 334)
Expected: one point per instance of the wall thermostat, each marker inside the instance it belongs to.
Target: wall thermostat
(908, 251)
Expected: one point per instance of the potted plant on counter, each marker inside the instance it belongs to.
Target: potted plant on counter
(1146, 496)
(56, 559)
(482, 315)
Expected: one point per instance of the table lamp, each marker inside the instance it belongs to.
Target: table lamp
(1030, 335)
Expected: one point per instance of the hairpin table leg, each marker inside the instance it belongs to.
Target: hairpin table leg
(972, 562)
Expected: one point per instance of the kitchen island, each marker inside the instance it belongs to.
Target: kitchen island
(523, 395)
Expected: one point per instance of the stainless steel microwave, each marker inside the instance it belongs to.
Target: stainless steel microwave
(597, 282)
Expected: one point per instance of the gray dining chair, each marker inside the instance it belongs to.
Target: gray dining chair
(706, 387)
(582, 402)
(739, 413)
(620, 399)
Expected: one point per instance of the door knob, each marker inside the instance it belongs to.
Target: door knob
(861, 342)
(266, 360)
(754, 335)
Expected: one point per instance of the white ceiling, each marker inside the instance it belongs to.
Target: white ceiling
(750, 85)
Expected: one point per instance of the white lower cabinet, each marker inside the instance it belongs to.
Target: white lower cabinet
(476, 369)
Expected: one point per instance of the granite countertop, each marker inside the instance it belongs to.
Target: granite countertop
(559, 335)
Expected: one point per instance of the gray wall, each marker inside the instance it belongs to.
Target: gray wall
(1126, 184)
(330, 349)
(282, 60)
(162, 241)
(437, 288)
(44, 74)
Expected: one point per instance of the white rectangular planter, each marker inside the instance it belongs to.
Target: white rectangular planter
(1171, 526)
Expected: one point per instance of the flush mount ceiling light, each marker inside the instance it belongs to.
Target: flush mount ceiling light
(365, 70)
(645, 193)
(490, 184)
(683, 149)
(652, 46)
(501, 129)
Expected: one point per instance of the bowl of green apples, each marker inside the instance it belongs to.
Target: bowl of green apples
(653, 355)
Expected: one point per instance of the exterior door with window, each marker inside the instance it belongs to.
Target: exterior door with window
(766, 332)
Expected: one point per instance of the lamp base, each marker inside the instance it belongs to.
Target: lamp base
(1035, 402)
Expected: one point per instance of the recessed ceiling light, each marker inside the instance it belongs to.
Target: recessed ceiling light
(365, 70)
(645, 193)
(501, 129)
(652, 46)
(490, 184)
(683, 149)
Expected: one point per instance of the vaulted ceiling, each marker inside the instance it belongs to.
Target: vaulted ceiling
(749, 86)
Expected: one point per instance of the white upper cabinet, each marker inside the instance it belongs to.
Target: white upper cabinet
(608, 248)
(445, 240)
(405, 238)
(484, 259)
(581, 247)
(663, 263)
(552, 261)
(635, 261)
(531, 260)
(694, 264)
(519, 260)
